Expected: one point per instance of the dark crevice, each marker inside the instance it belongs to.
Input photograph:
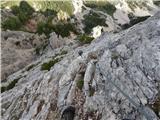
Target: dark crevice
(68, 113)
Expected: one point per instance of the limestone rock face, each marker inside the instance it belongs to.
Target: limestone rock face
(56, 41)
(18, 50)
(97, 31)
(77, 6)
(120, 74)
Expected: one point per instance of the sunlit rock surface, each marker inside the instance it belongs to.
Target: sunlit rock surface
(97, 31)
(77, 6)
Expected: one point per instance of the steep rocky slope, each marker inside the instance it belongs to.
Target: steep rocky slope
(18, 50)
(115, 77)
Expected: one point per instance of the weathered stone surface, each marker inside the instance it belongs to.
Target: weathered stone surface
(18, 50)
(56, 41)
(129, 60)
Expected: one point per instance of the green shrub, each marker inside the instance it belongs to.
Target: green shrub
(48, 65)
(104, 6)
(12, 23)
(60, 28)
(92, 20)
(3, 89)
(64, 29)
(10, 85)
(23, 17)
(15, 10)
(85, 39)
(30, 67)
(41, 27)
(26, 8)
(80, 84)
(44, 27)
(23, 11)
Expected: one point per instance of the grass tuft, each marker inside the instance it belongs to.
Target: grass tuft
(12, 23)
(60, 28)
(80, 84)
(48, 65)
(85, 39)
(30, 67)
(9, 86)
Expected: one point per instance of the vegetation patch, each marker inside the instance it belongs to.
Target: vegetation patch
(9, 86)
(85, 39)
(61, 28)
(12, 23)
(63, 52)
(134, 21)
(80, 84)
(30, 67)
(64, 29)
(104, 6)
(23, 11)
(91, 20)
(44, 27)
(48, 65)
(22, 14)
